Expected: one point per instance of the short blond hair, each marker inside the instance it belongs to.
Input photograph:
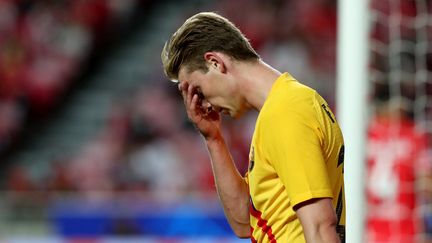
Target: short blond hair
(201, 33)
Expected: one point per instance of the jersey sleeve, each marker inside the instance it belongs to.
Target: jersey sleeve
(292, 143)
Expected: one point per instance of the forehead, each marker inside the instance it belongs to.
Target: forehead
(186, 75)
(183, 74)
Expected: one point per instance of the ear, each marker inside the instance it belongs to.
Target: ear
(215, 60)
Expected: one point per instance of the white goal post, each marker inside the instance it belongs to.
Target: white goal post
(352, 112)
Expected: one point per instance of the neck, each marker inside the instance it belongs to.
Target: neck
(256, 80)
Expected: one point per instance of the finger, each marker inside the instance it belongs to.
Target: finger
(180, 86)
(190, 94)
(193, 105)
(184, 91)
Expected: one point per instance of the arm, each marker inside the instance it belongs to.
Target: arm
(232, 189)
(318, 219)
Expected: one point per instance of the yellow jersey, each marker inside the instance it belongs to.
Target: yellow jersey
(296, 154)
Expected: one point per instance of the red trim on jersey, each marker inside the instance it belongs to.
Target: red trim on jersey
(253, 240)
(251, 235)
(262, 223)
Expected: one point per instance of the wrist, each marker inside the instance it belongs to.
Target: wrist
(214, 138)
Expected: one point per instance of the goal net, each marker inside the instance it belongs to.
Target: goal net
(398, 172)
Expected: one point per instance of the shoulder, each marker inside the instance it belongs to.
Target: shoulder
(292, 99)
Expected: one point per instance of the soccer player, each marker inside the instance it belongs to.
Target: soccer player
(397, 155)
(293, 190)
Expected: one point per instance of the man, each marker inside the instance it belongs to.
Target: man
(397, 168)
(293, 191)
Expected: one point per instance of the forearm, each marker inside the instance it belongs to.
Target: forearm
(323, 234)
(231, 186)
(318, 220)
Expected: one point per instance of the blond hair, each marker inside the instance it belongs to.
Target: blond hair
(199, 34)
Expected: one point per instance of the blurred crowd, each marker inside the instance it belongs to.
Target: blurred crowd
(43, 46)
(149, 146)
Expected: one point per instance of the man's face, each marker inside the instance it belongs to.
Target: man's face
(215, 89)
